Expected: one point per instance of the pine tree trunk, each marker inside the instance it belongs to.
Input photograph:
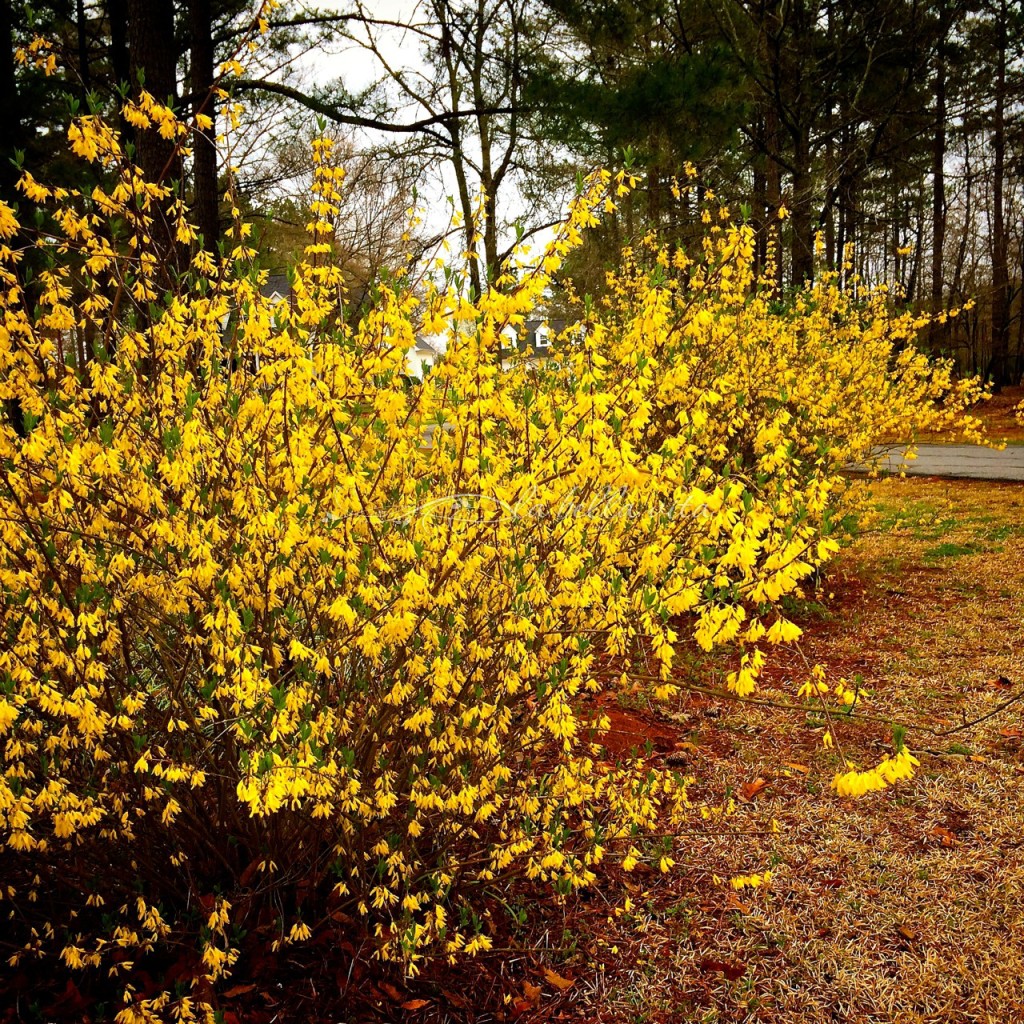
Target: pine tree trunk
(205, 204)
(1000, 283)
(937, 332)
(117, 19)
(11, 128)
(773, 191)
(802, 242)
(11, 131)
(153, 58)
(760, 199)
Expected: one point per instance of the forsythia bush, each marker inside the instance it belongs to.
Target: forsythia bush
(286, 636)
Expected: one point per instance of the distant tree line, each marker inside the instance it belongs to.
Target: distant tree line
(891, 130)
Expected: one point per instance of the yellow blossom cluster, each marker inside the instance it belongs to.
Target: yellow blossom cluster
(854, 783)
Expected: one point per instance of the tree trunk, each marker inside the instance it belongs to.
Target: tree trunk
(937, 332)
(759, 211)
(83, 48)
(152, 52)
(205, 202)
(802, 242)
(1000, 282)
(12, 131)
(773, 192)
(153, 60)
(120, 62)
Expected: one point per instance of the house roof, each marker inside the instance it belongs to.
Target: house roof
(277, 284)
(523, 340)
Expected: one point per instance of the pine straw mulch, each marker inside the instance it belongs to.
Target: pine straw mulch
(904, 906)
(998, 416)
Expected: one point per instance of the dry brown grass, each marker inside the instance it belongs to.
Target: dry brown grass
(906, 906)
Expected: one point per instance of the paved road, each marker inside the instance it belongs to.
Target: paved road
(956, 460)
(948, 460)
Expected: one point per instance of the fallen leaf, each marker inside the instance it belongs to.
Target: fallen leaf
(730, 970)
(247, 875)
(557, 980)
(395, 994)
(978, 758)
(532, 992)
(750, 789)
(415, 1004)
(907, 933)
(239, 990)
(1000, 683)
(1011, 734)
(943, 835)
(689, 747)
(733, 902)
(71, 1000)
(455, 999)
(802, 768)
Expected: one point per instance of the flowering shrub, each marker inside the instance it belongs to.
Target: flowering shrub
(287, 636)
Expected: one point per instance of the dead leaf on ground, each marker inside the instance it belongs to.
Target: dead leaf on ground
(557, 980)
(797, 767)
(395, 994)
(943, 835)
(1000, 683)
(731, 970)
(532, 992)
(249, 872)
(415, 1004)
(750, 789)
(455, 999)
(239, 990)
(908, 933)
(733, 902)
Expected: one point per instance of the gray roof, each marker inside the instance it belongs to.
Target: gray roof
(277, 284)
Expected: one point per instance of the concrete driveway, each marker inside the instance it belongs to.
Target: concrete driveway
(953, 460)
